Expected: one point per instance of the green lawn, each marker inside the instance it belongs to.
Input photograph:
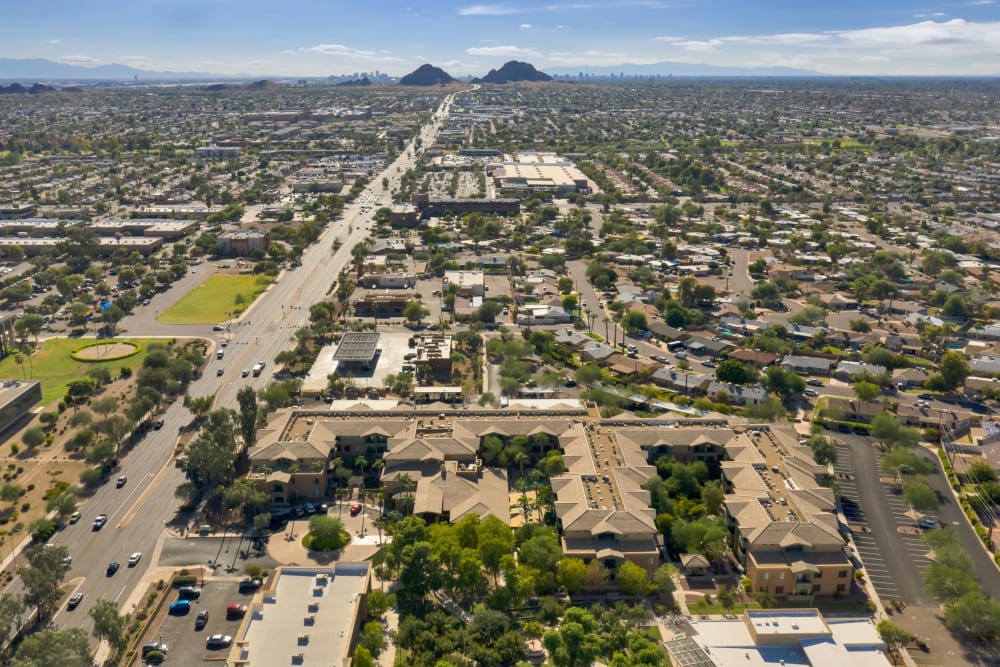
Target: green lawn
(700, 608)
(55, 368)
(213, 299)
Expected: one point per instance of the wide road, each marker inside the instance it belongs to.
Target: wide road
(139, 511)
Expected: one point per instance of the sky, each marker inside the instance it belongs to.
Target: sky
(324, 37)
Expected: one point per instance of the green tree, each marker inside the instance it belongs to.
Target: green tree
(665, 582)
(860, 326)
(247, 399)
(363, 658)
(34, 437)
(327, 533)
(905, 462)
(495, 541)
(894, 637)
(824, 451)
(211, 457)
(887, 429)
(109, 625)
(919, 495)
(541, 552)
(571, 574)
(634, 321)
(42, 578)
(867, 391)
(632, 579)
(11, 613)
(953, 370)
(415, 312)
(588, 375)
(786, 384)
(576, 642)
(974, 615)
(735, 372)
(769, 409)
(55, 648)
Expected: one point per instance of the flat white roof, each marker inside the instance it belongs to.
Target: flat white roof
(304, 614)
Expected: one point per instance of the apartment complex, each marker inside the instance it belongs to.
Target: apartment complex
(785, 533)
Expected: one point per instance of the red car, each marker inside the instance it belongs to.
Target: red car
(236, 611)
(356, 509)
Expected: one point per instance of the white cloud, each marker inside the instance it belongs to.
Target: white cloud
(503, 10)
(348, 53)
(503, 52)
(926, 47)
(488, 10)
(526, 26)
(80, 61)
(53, 41)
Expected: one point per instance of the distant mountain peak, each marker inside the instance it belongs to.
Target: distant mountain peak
(426, 75)
(514, 71)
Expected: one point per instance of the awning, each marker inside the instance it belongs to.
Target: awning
(800, 567)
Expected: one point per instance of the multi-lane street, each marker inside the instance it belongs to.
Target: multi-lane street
(139, 511)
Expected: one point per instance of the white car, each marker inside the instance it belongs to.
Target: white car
(134, 559)
(218, 641)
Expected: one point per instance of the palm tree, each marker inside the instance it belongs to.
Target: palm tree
(408, 484)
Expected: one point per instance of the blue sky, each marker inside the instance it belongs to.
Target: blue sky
(320, 37)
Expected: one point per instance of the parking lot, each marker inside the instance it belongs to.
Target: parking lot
(186, 646)
(890, 546)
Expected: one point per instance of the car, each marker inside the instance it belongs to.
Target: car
(218, 327)
(219, 372)
(134, 559)
(925, 397)
(188, 593)
(681, 355)
(298, 512)
(708, 364)
(145, 302)
(99, 521)
(218, 641)
(224, 343)
(814, 383)
(356, 509)
(113, 567)
(153, 646)
(236, 611)
(245, 373)
(74, 517)
(928, 524)
(74, 601)
(811, 393)
(250, 584)
(201, 620)
(122, 481)
(67, 561)
(179, 607)
(661, 359)
(310, 508)
(158, 424)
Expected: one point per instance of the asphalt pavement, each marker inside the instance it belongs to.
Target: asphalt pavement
(140, 511)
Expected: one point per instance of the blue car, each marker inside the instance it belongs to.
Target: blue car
(180, 607)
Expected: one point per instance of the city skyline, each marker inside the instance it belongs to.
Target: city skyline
(314, 38)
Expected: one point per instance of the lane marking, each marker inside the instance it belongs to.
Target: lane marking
(146, 493)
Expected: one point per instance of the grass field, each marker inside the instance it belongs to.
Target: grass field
(55, 368)
(210, 302)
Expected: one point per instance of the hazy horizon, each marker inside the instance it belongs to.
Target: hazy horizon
(314, 38)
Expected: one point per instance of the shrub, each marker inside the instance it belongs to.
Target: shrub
(185, 580)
